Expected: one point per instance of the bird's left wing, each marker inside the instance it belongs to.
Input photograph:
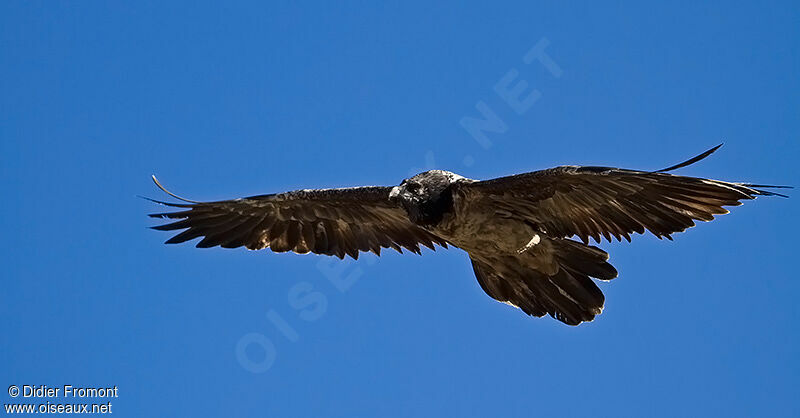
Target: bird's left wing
(335, 222)
(605, 201)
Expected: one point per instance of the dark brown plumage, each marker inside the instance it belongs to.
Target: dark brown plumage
(334, 222)
(516, 229)
(594, 201)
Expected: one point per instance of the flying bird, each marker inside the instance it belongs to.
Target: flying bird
(518, 230)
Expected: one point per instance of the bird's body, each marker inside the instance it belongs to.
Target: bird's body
(474, 225)
(514, 259)
(517, 230)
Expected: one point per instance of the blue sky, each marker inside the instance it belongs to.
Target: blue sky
(227, 100)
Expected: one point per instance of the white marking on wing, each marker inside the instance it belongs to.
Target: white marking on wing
(535, 240)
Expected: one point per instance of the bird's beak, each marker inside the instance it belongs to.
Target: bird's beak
(394, 193)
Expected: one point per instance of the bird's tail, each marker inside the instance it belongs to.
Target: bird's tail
(567, 294)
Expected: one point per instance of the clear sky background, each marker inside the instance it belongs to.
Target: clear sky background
(222, 101)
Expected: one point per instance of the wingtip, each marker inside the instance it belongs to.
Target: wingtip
(163, 189)
(758, 188)
(690, 161)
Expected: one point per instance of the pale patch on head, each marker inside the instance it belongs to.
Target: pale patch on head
(450, 176)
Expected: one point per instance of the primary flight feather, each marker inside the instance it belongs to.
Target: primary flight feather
(517, 230)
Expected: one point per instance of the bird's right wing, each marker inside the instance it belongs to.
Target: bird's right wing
(595, 201)
(335, 222)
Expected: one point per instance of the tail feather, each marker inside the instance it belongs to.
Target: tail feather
(569, 294)
(569, 299)
(583, 259)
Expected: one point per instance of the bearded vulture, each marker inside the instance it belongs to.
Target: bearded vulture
(517, 230)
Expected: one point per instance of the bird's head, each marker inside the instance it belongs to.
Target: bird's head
(426, 196)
